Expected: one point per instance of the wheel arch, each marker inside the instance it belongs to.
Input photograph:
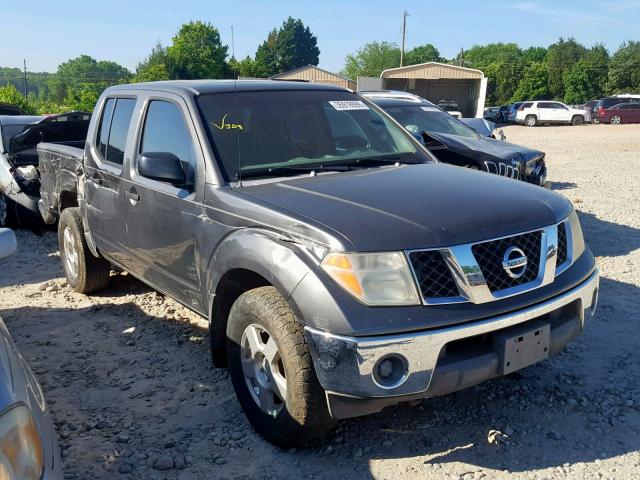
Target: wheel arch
(243, 261)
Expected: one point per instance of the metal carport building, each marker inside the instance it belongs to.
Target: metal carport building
(440, 81)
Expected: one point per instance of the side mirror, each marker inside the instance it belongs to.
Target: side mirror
(8, 243)
(162, 166)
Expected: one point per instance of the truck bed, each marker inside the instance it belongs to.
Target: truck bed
(58, 165)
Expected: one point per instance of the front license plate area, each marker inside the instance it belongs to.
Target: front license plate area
(522, 345)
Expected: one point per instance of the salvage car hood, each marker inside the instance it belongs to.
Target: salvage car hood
(485, 148)
(413, 206)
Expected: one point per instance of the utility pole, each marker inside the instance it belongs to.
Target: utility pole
(462, 57)
(25, 77)
(404, 34)
(233, 49)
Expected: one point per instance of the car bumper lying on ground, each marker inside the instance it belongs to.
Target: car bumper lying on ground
(362, 375)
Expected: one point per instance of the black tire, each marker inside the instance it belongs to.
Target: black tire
(91, 273)
(304, 416)
(3, 210)
(531, 121)
(577, 120)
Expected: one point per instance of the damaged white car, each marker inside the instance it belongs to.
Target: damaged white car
(19, 178)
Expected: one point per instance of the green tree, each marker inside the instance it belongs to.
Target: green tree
(267, 56)
(296, 46)
(624, 69)
(74, 73)
(561, 57)
(9, 94)
(534, 54)
(533, 85)
(155, 66)
(371, 60)
(83, 96)
(247, 67)
(291, 46)
(502, 64)
(197, 52)
(422, 54)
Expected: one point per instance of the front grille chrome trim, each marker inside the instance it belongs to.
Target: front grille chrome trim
(470, 280)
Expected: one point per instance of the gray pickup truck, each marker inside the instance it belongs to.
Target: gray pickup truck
(341, 267)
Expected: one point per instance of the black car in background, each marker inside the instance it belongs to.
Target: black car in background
(451, 141)
(8, 109)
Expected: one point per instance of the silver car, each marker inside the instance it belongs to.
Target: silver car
(28, 442)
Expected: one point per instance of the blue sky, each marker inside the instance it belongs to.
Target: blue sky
(47, 32)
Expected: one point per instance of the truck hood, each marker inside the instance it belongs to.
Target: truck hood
(414, 206)
(485, 148)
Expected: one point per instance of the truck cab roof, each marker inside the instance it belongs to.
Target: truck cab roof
(203, 87)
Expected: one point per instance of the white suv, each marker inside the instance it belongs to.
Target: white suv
(539, 112)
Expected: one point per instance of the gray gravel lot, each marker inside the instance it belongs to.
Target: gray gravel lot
(128, 376)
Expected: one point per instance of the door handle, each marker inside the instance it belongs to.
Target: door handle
(133, 196)
(95, 178)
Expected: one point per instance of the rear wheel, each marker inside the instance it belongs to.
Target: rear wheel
(272, 371)
(615, 120)
(531, 121)
(577, 120)
(3, 210)
(85, 273)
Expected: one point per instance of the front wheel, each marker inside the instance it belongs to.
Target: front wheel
(577, 120)
(272, 371)
(531, 121)
(85, 273)
(615, 120)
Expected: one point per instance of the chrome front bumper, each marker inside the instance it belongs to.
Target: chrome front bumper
(345, 365)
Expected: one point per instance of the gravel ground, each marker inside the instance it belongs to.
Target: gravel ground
(129, 381)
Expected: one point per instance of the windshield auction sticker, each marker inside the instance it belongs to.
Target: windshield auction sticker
(348, 105)
(430, 109)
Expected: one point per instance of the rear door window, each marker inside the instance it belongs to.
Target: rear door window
(120, 122)
(114, 128)
(105, 125)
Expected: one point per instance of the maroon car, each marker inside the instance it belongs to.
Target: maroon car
(620, 113)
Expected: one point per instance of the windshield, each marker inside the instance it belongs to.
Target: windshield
(256, 132)
(9, 131)
(418, 119)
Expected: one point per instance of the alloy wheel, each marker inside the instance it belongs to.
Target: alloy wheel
(71, 256)
(616, 120)
(263, 369)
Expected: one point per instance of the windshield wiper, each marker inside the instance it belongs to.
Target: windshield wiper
(295, 169)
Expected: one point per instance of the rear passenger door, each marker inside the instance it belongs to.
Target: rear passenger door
(104, 178)
(545, 113)
(163, 220)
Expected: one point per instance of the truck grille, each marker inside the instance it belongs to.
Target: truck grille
(433, 276)
(562, 244)
(489, 256)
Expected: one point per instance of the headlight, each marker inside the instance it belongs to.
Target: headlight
(21, 452)
(375, 279)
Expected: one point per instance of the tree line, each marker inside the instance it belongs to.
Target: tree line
(566, 70)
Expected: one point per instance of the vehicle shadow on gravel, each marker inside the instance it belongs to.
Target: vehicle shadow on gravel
(608, 239)
(563, 185)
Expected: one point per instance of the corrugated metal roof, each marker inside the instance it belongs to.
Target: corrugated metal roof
(432, 71)
(313, 74)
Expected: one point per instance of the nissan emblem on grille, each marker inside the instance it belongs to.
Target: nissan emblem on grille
(514, 262)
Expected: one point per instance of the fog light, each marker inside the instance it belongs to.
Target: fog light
(390, 371)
